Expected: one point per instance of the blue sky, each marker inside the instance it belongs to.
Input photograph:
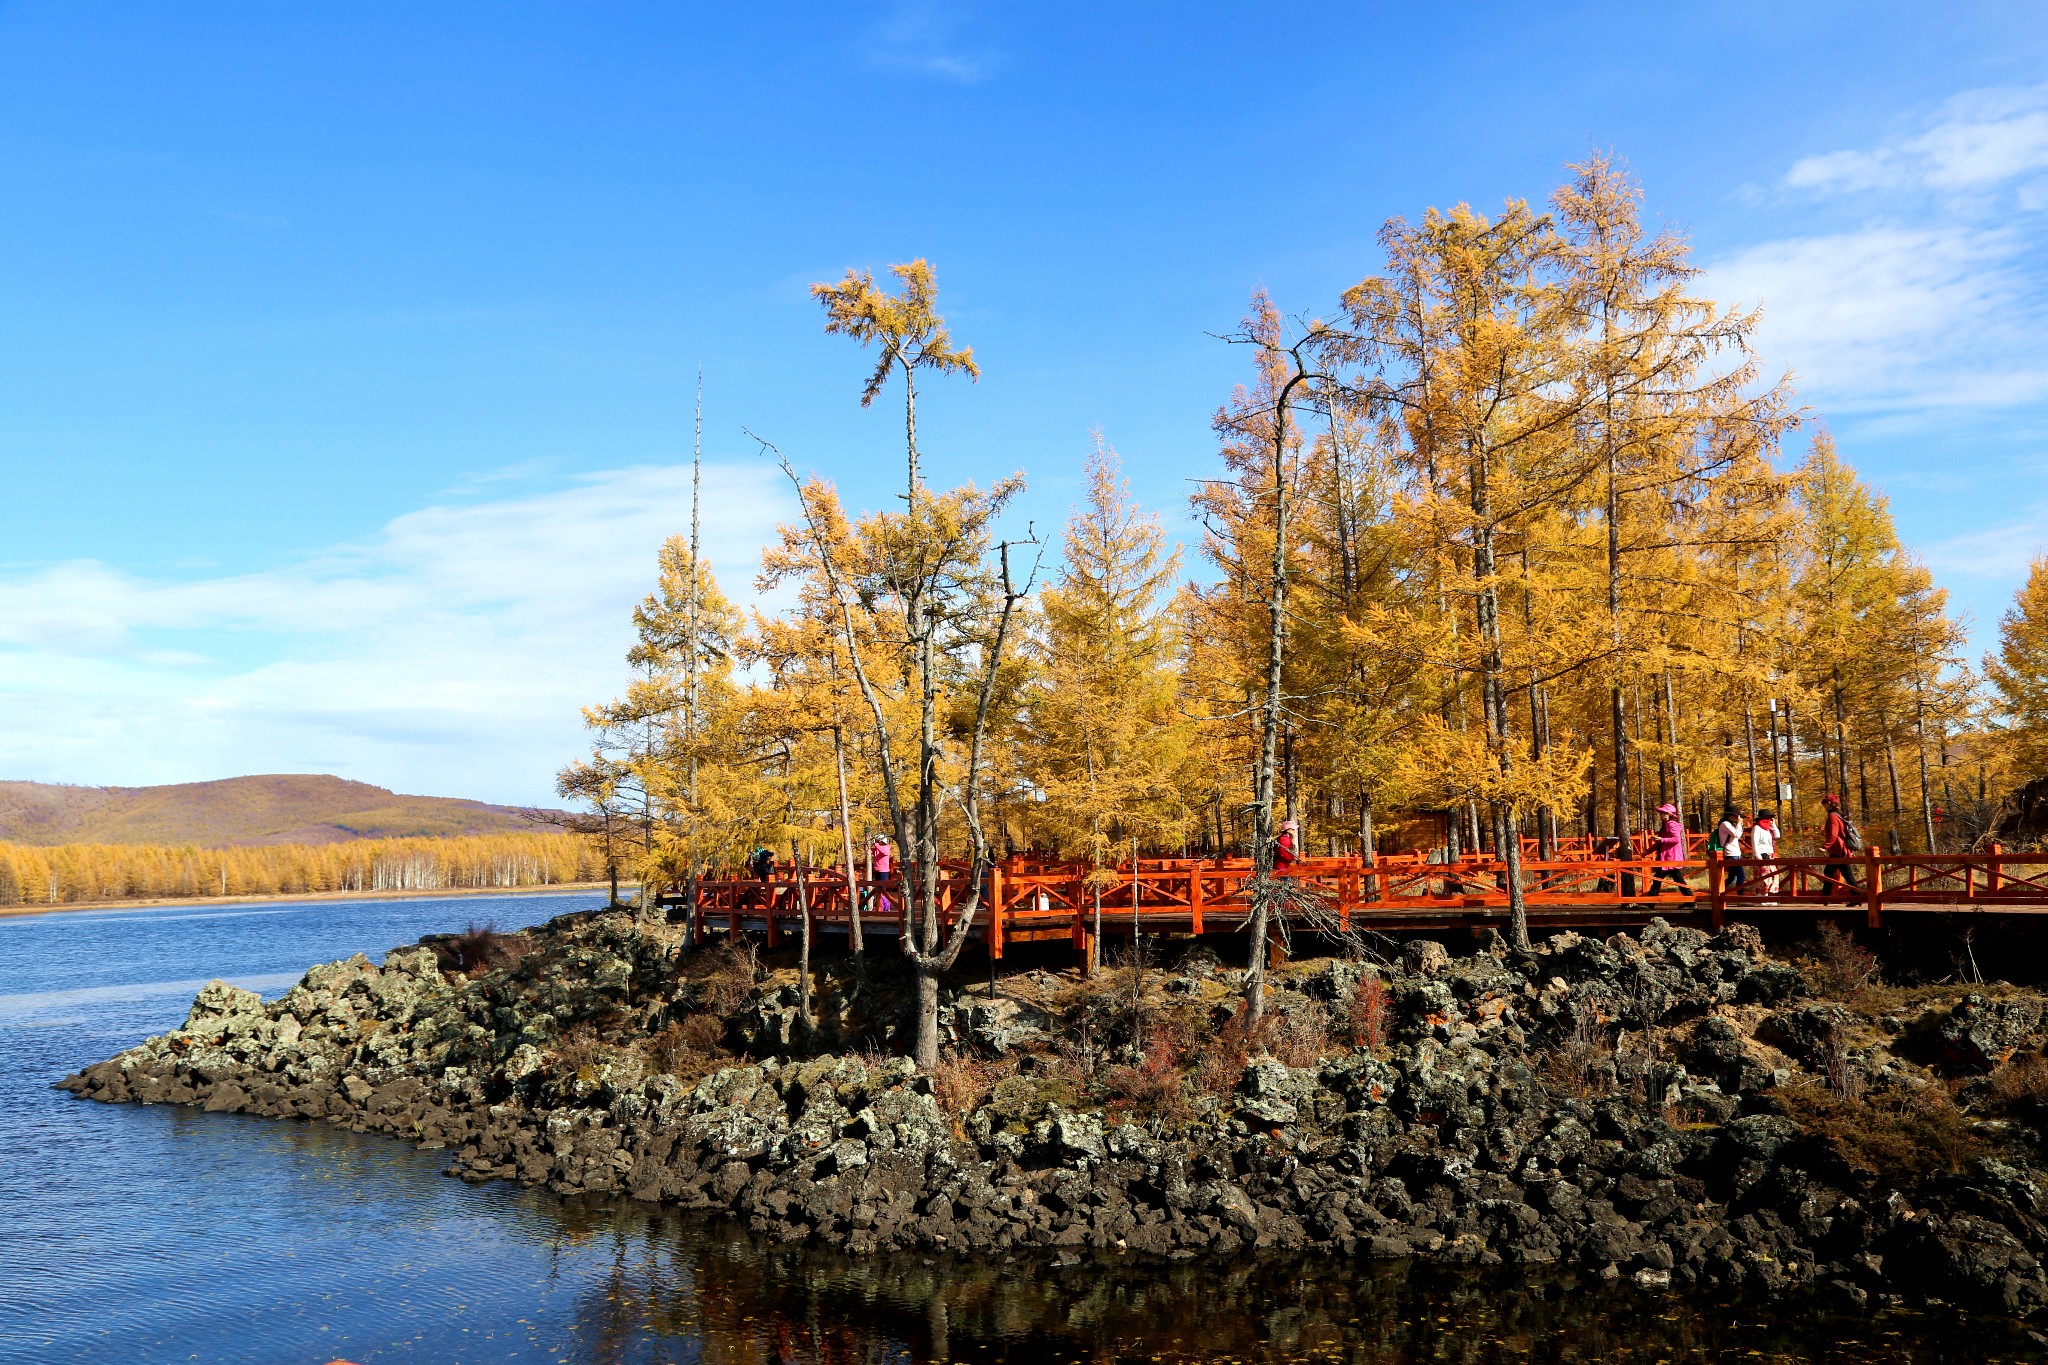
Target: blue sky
(348, 348)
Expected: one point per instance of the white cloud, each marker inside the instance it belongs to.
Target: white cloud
(449, 655)
(2001, 552)
(1978, 140)
(1926, 316)
(1930, 297)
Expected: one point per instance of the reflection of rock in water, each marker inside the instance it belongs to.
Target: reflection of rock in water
(676, 1279)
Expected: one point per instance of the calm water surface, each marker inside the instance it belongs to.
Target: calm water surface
(150, 1234)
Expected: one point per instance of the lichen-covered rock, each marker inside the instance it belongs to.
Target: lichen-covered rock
(1985, 1031)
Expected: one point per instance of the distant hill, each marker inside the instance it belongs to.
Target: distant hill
(283, 808)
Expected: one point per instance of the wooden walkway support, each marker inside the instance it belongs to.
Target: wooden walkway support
(1027, 900)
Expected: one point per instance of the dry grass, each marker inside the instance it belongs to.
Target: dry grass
(1889, 1136)
(1579, 1064)
(723, 976)
(688, 1049)
(2021, 1083)
(962, 1084)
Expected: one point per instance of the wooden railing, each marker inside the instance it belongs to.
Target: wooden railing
(1025, 900)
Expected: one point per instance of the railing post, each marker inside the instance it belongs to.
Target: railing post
(995, 911)
(1873, 888)
(1717, 889)
(1195, 899)
(1994, 875)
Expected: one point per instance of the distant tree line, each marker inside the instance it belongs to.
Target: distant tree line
(74, 873)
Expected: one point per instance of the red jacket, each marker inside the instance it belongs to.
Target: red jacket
(1834, 836)
(1283, 851)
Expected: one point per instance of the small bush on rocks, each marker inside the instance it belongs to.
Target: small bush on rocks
(1842, 966)
(1153, 1089)
(688, 1049)
(723, 976)
(480, 947)
(1371, 1008)
(577, 1055)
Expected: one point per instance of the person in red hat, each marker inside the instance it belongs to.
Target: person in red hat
(1835, 846)
(1285, 849)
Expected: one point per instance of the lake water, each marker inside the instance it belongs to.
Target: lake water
(131, 1234)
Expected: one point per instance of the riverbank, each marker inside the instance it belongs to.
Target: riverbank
(1665, 1108)
(559, 888)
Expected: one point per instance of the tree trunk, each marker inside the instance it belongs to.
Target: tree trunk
(1749, 743)
(927, 1013)
(846, 842)
(803, 956)
(1671, 730)
(1926, 786)
(1269, 717)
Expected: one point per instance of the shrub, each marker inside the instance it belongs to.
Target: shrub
(689, 1048)
(1220, 1063)
(1889, 1135)
(1155, 1088)
(722, 977)
(480, 947)
(1371, 1010)
(1843, 965)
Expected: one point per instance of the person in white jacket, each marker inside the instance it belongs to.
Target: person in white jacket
(1763, 847)
(1728, 840)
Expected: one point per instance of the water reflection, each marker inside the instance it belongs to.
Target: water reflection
(679, 1288)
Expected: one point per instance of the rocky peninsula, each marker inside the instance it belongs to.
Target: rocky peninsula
(1667, 1106)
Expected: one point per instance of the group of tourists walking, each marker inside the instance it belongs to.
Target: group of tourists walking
(1747, 845)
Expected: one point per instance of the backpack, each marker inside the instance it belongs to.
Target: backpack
(1852, 837)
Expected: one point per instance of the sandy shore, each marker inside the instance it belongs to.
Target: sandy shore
(160, 903)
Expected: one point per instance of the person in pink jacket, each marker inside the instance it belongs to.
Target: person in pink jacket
(1670, 851)
(881, 862)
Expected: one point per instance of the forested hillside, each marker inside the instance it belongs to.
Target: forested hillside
(278, 808)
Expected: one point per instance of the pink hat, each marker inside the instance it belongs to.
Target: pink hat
(1667, 809)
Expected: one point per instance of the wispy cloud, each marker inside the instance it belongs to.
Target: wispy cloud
(1980, 140)
(2000, 552)
(1929, 295)
(451, 653)
(928, 39)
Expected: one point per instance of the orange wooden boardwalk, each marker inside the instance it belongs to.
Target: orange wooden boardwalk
(1033, 901)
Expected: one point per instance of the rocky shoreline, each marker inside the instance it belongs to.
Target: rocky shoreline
(1670, 1107)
